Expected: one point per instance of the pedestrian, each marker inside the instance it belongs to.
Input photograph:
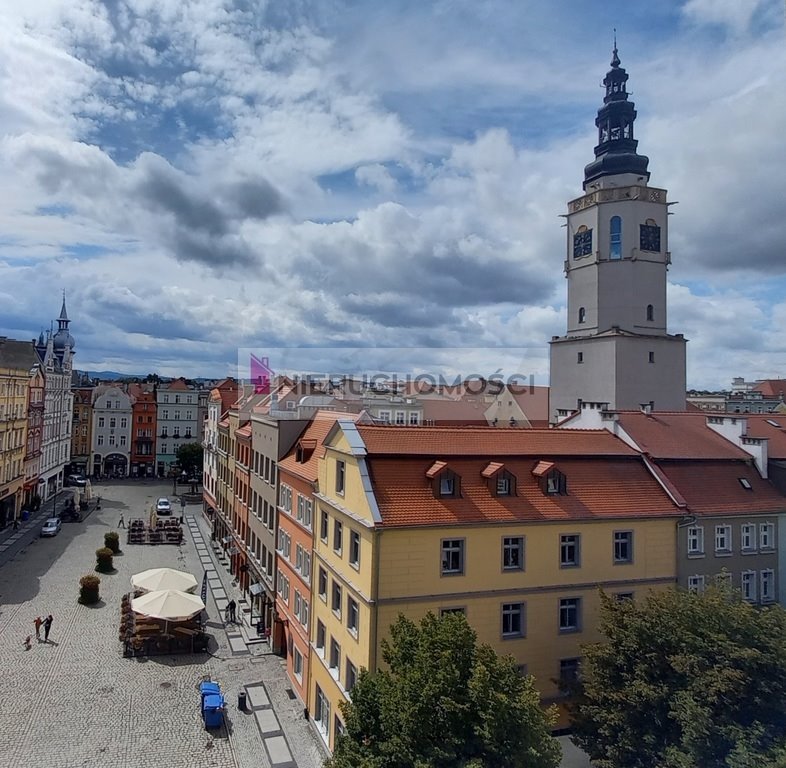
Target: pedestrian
(122, 523)
(16, 523)
(28, 643)
(47, 627)
(38, 622)
(231, 610)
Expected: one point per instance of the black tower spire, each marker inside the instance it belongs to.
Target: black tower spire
(616, 149)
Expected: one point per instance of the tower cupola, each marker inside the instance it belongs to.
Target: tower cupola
(615, 152)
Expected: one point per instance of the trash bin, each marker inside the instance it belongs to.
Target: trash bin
(241, 701)
(25, 515)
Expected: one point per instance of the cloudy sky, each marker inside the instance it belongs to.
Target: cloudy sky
(207, 175)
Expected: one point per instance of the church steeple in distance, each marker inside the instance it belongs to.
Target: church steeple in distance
(615, 152)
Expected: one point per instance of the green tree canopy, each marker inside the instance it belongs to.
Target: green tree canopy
(189, 457)
(685, 680)
(444, 702)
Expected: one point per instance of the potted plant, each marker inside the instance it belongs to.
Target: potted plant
(88, 589)
(104, 560)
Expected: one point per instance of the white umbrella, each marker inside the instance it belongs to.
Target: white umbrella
(163, 578)
(168, 604)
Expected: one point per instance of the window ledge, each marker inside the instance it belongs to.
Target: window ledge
(452, 573)
(723, 553)
(569, 630)
(749, 552)
(695, 555)
(623, 562)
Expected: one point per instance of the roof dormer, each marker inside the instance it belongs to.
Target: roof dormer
(305, 448)
(552, 482)
(500, 481)
(445, 482)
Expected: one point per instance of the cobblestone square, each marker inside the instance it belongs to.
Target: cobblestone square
(76, 701)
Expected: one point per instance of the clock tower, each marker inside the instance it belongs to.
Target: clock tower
(617, 352)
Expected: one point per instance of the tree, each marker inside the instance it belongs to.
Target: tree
(685, 680)
(189, 457)
(444, 702)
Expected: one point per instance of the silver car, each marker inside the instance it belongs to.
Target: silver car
(51, 527)
(163, 507)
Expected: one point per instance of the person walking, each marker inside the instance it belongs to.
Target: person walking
(231, 611)
(47, 626)
(38, 622)
(122, 523)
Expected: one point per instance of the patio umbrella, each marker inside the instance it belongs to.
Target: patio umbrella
(168, 604)
(163, 578)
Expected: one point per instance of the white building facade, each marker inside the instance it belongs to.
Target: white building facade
(177, 409)
(56, 354)
(110, 453)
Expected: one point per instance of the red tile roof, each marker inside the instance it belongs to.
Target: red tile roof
(598, 488)
(319, 426)
(760, 426)
(713, 487)
(492, 442)
(771, 387)
(677, 436)
(244, 431)
(178, 385)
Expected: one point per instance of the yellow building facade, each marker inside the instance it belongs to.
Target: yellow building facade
(516, 529)
(17, 359)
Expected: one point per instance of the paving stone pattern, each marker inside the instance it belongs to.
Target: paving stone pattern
(77, 702)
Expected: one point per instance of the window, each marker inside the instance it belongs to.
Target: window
(446, 611)
(122, 440)
(308, 513)
(298, 603)
(322, 582)
(504, 484)
(582, 315)
(744, 482)
(297, 664)
(696, 584)
(651, 357)
(338, 538)
(354, 548)
(622, 596)
(304, 613)
(650, 313)
(320, 643)
(723, 539)
(384, 417)
(569, 618)
(513, 620)
(322, 713)
(554, 483)
(340, 476)
(748, 537)
(299, 558)
(336, 602)
(123, 423)
(400, 418)
(766, 536)
(579, 357)
(615, 238)
(623, 546)
(569, 550)
(767, 585)
(334, 661)
(447, 484)
(323, 526)
(568, 672)
(163, 448)
(414, 418)
(696, 540)
(112, 422)
(582, 242)
(749, 586)
(452, 556)
(101, 442)
(352, 676)
(100, 422)
(306, 565)
(353, 615)
(513, 553)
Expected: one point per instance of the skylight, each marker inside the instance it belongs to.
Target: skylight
(773, 423)
(745, 483)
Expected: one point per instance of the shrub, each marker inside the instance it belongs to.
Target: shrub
(104, 560)
(88, 589)
(112, 541)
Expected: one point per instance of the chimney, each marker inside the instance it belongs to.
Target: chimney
(647, 408)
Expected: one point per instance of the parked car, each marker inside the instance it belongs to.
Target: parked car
(51, 527)
(77, 481)
(163, 507)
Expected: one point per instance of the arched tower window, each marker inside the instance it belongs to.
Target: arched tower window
(582, 314)
(615, 239)
(650, 312)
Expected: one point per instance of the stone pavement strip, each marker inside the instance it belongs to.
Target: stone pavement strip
(76, 702)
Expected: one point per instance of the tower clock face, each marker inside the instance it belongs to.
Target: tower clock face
(649, 238)
(582, 243)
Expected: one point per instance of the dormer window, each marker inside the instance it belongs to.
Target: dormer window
(500, 481)
(552, 481)
(445, 483)
(304, 450)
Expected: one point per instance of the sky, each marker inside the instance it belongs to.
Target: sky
(204, 176)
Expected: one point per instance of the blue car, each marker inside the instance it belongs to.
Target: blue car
(51, 527)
